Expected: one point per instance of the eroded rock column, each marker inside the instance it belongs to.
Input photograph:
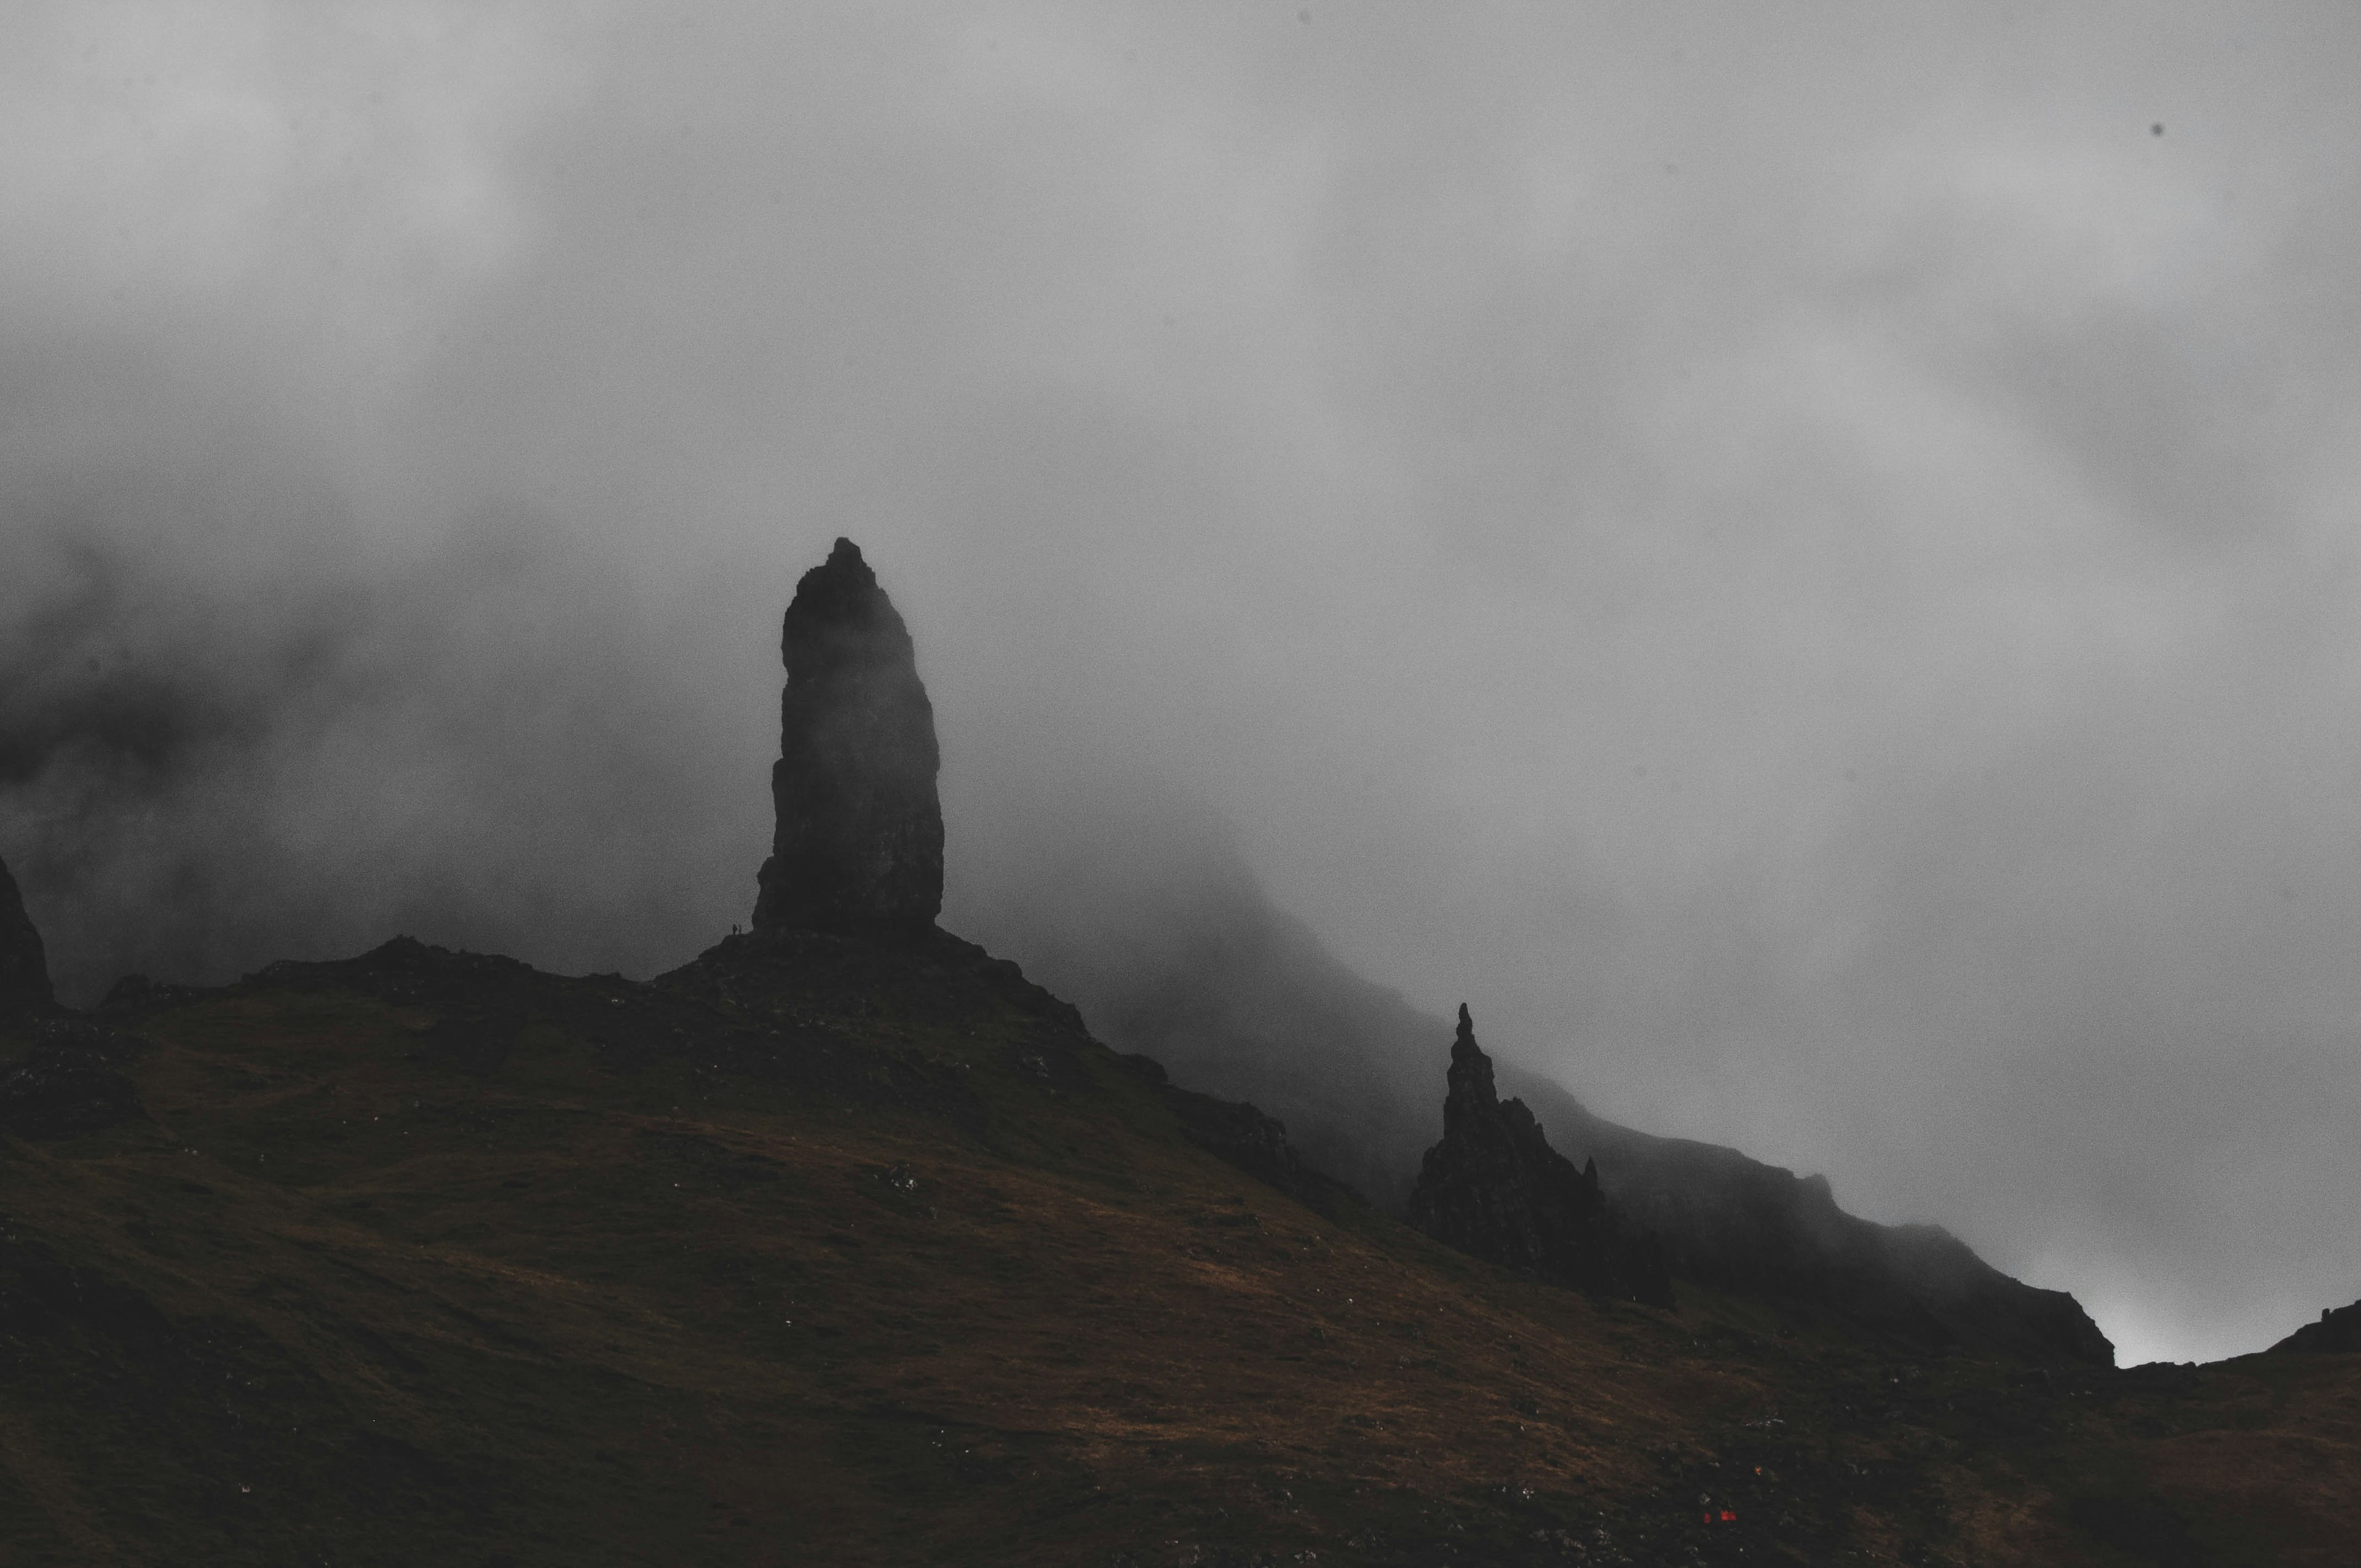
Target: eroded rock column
(859, 845)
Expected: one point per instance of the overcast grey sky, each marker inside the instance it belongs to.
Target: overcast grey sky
(1800, 558)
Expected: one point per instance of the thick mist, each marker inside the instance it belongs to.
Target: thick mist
(1801, 561)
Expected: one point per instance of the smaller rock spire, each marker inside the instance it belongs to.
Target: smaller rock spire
(24, 966)
(1495, 1190)
(1471, 1090)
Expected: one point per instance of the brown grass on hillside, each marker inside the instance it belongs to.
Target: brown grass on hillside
(473, 1266)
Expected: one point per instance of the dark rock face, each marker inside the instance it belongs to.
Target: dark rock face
(1495, 1190)
(859, 839)
(24, 966)
(2339, 1330)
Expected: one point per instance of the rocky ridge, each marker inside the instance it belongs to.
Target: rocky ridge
(2338, 1331)
(1736, 1224)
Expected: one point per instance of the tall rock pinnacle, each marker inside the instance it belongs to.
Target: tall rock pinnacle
(859, 839)
(1495, 1190)
(24, 966)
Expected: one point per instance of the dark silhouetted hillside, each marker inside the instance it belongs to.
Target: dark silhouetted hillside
(1171, 948)
(848, 1244)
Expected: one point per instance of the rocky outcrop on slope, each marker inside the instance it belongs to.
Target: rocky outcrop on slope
(1495, 1190)
(2339, 1330)
(859, 845)
(24, 966)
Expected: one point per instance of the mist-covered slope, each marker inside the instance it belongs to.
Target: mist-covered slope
(1741, 1225)
(1171, 947)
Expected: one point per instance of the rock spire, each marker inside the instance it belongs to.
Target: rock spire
(1495, 1190)
(860, 840)
(24, 966)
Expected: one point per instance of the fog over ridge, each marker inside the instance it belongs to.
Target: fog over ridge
(1802, 564)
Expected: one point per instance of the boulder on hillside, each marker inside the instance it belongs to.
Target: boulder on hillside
(1495, 1190)
(859, 845)
(24, 966)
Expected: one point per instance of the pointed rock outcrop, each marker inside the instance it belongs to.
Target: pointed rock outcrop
(1495, 1190)
(860, 840)
(24, 966)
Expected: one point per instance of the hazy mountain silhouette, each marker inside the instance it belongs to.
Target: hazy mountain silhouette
(846, 1241)
(1171, 947)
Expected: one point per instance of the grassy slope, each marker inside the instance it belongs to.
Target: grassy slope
(458, 1264)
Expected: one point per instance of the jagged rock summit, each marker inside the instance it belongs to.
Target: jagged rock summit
(24, 966)
(1495, 1190)
(860, 840)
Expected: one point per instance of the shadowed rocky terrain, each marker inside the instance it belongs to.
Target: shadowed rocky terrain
(819, 1250)
(848, 1243)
